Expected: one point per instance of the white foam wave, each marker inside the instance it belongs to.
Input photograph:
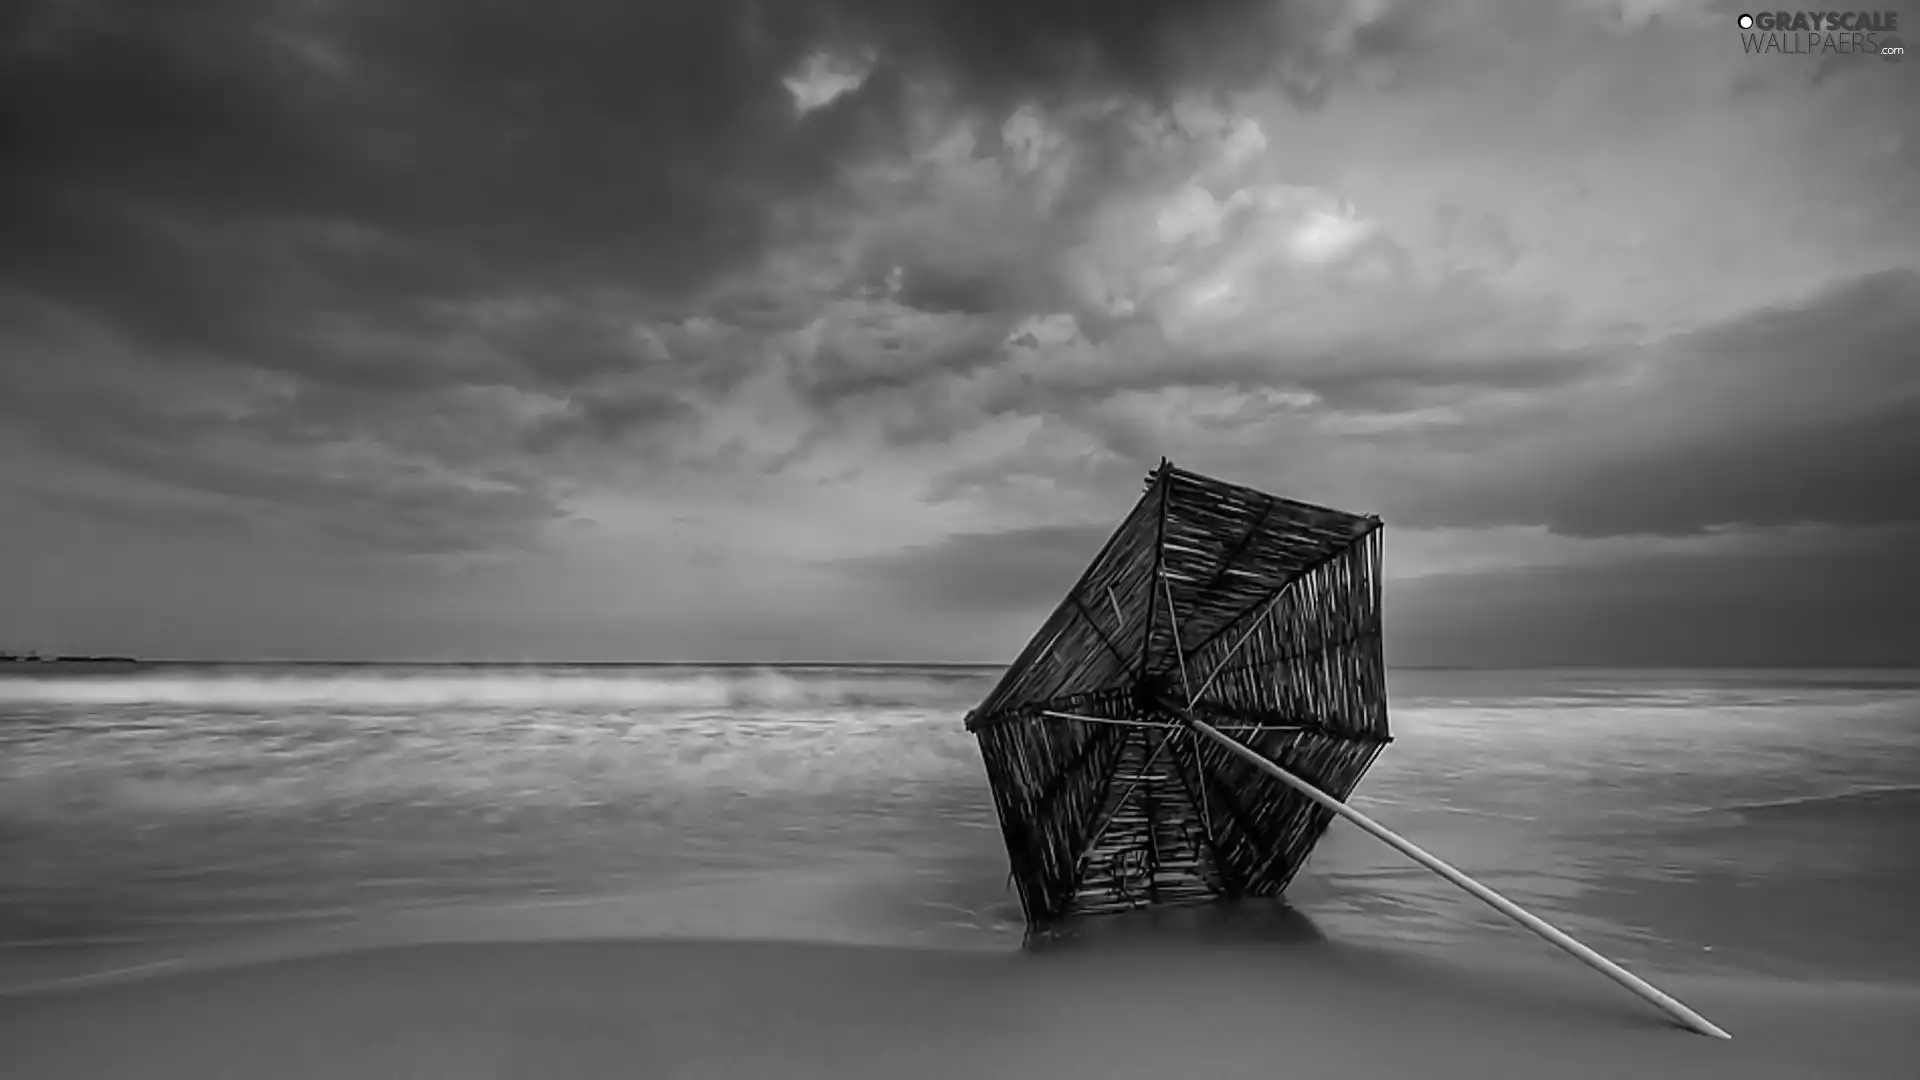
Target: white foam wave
(392, 688)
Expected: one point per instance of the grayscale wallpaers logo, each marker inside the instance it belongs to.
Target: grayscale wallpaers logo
(1824, 33)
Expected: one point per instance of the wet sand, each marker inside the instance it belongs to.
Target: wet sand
(703, 1008)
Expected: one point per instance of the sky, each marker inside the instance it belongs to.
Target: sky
(770, 330)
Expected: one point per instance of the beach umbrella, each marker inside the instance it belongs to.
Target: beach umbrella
(1255, 614)
(1197, 709)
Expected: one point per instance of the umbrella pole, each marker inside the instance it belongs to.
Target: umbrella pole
(1499, 903)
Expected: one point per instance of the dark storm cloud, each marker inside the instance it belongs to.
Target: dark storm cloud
(550, 144)
(1789, 415)
(1005, 51)
(340, 197)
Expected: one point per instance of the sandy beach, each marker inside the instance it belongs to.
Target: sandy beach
(694, 1008)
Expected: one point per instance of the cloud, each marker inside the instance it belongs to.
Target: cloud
(921, 288)
(825, 78)
(1204, 309)
(1787, 415)
(461, 244)
(1005, 51)
(466, 145)
(1793, 414)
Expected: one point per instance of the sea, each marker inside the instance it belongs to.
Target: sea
(167, 815)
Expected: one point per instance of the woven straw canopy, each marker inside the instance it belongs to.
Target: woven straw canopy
(1257, 615)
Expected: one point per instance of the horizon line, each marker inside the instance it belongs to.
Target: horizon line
(124, 661)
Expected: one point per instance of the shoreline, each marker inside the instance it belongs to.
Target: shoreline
(1108, 1008)
(1521, 959)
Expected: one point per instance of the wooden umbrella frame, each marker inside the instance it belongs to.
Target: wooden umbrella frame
(1112, 767)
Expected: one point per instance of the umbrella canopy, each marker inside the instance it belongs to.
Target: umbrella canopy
(1257, 615)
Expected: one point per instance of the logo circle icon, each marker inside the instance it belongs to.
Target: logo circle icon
(1746, 22)
(1892, 49)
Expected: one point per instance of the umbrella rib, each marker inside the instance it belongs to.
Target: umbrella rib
(1173, 627)
(1159, 563)
(1054, 714)
(1081, 718)
(1265, 612)
(1205, 808)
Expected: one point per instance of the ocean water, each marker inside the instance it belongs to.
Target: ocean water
(1763, 822)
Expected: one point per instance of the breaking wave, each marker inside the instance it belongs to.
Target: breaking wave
(429, 687)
